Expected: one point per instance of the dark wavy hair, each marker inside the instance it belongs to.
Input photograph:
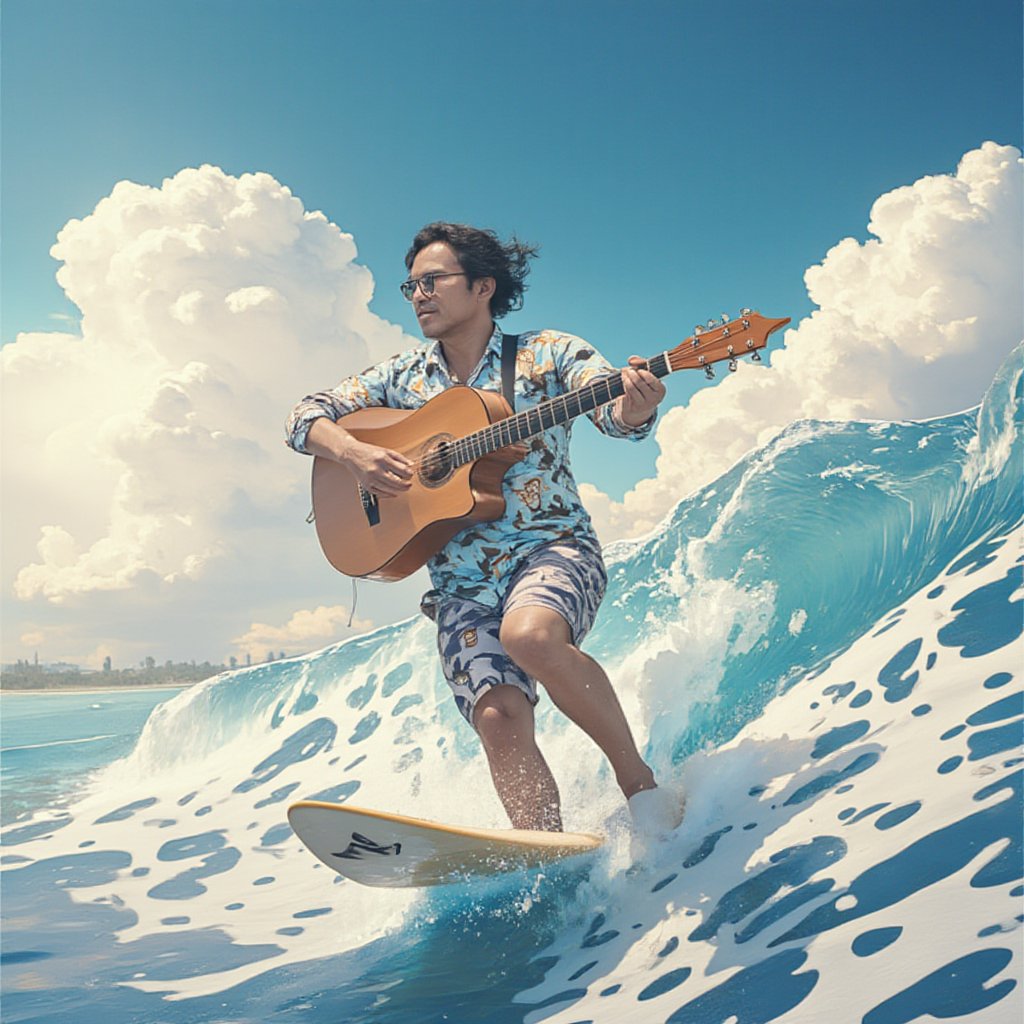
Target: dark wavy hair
(482, 254)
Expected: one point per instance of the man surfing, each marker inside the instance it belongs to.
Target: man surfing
(512, 598)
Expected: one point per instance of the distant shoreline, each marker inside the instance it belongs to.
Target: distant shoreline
(28, 691)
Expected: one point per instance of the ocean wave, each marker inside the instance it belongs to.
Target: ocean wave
(821, 647)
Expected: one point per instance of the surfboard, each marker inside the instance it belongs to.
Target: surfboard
(394, 851)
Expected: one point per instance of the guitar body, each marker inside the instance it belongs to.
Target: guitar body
(389, 538)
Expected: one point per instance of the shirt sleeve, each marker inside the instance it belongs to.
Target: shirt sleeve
(578, 365)
(356, 392)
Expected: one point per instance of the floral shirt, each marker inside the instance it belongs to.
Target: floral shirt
(542, 504)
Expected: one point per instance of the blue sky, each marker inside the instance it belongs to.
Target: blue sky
(673, 159)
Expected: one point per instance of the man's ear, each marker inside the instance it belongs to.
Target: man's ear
(484, 287)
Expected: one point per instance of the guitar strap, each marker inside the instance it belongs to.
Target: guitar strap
(509, 348)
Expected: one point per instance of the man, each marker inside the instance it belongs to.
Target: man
(512, 598)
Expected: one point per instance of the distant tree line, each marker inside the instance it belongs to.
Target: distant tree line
(27, 675)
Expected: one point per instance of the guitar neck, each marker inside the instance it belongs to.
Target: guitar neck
(552, 413)
(715, 342)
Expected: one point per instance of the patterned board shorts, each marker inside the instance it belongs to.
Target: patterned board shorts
(565, 577)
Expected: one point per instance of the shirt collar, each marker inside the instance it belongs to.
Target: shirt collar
(433, 349)
(494, 345)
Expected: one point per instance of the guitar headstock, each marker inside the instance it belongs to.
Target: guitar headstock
(724, 339)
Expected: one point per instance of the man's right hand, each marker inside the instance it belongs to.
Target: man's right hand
(380, 471)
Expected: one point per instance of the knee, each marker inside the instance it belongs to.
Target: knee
(503, 720)
(530, 645)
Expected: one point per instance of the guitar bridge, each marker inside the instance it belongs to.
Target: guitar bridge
(371, 506)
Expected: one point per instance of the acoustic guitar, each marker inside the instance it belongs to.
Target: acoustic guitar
(460, 445)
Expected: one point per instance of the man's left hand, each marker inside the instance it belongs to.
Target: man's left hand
(642, 393)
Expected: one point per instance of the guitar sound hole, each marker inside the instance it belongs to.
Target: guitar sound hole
(436, 461)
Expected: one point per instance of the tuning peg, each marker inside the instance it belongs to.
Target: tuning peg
(709, 372)
(712, 323)
(732, 365)
(699, 329)
(725, 318)
(755, 356)
(746, 311)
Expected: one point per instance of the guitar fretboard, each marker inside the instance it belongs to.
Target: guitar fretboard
(552, 413)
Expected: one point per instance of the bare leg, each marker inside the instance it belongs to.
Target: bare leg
(538, 640)
(503, 717)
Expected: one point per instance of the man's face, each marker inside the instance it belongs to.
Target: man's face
(452, 304)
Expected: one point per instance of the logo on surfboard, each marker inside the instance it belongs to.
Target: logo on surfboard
(361, 845)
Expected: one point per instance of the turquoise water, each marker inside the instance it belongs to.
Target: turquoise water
(50, 743)
(823, 648)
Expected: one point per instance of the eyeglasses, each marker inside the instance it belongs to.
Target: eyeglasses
(426, 283)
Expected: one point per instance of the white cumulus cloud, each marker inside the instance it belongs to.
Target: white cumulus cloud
(151, 440)
(911, 323)
(307, 629)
